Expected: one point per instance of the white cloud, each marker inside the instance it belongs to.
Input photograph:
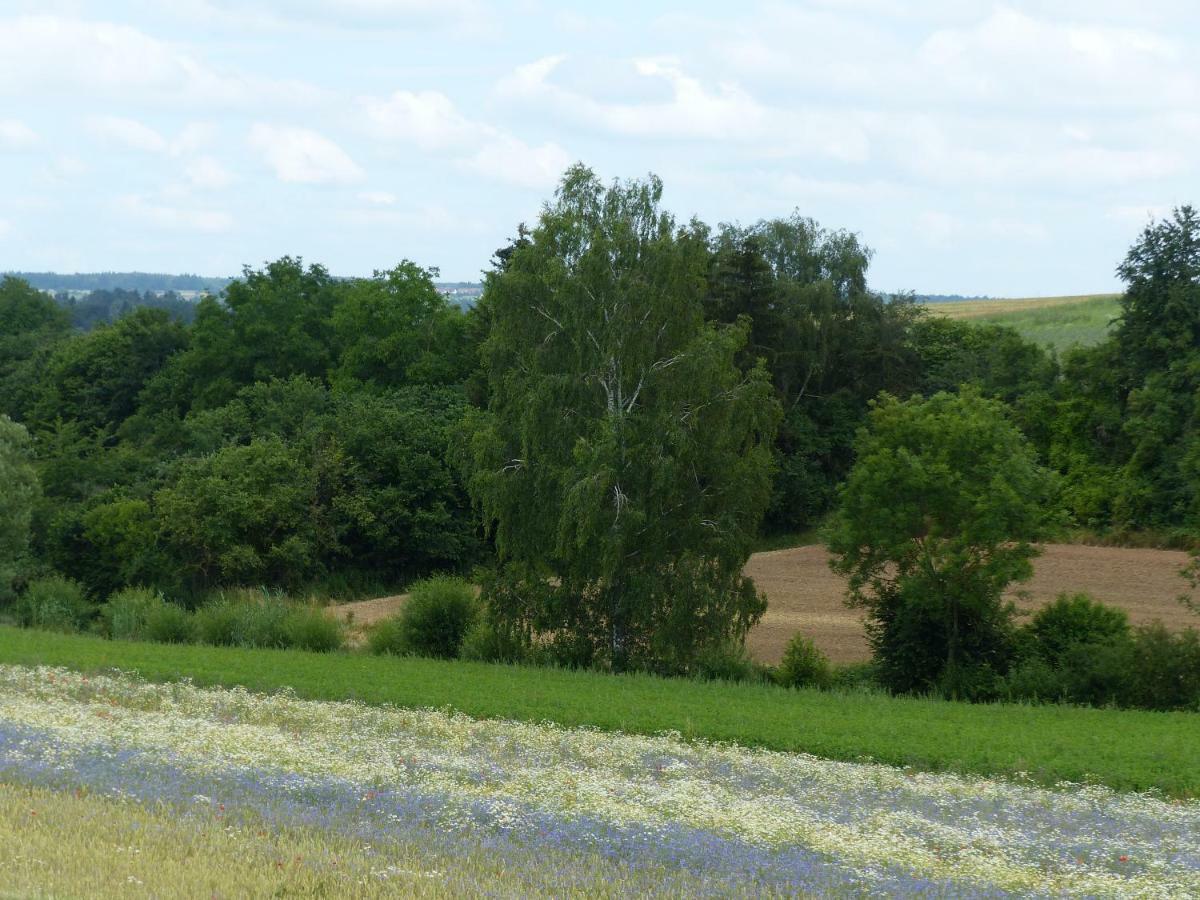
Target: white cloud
(174, 218)
(378, 198)
(127, 132)
(461, 15)
(1014, 56)
(430, 121)
(425, 118)
(5, 228)
(48, 53)
(692, 111)
(506, 158)
(303, 156)
(16, 135)
(429, 218)
(206, 173)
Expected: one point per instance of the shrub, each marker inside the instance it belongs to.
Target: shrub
(436, 617)
(485, 642)
(127, 613)
(310, 628)
(54, 603)
(728, 662)
(803, 665)
(1098, 674)
(169, 623)
(860, 677)
(1165, 669)
(1035, 679)
(1072, 620)
(388, 636)
(244, 619)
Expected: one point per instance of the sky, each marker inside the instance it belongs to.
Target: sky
(979, 148)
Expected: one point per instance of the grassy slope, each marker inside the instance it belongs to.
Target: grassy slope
(1125, 750)
(1057, 322)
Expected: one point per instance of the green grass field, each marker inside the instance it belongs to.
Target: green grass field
(1126, 750)
(1054, 322)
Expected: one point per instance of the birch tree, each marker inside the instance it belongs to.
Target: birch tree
(624, 460)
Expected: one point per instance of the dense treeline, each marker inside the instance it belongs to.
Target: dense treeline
(303, 431)
(102, 307)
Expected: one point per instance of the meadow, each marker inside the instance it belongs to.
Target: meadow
(1056, 323)
(524, 808)
(1122, 749)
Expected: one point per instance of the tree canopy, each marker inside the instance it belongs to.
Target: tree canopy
(624, 458)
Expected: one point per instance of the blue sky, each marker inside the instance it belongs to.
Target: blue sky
(980, 148)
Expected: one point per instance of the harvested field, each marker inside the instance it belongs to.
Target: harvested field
(804, 595)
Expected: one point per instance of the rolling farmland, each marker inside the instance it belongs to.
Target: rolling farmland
(1054, 322)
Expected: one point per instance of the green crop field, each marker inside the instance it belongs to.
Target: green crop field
(1054, 322)
(1125, 750)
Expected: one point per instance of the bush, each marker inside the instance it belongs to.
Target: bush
(1165, 669)
(126, 614)
(310, 628)
(388, 636)
(803, 665)
(728, 662)
(859, 677)
(1072, 620)
(54, 603)
(169, 623)
(433, 622)
(244, 619)
(484, 642)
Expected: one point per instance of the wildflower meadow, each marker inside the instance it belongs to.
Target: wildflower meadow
(346, 798)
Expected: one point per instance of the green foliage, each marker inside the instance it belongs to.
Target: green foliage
(1126, 750)
(936, 519)
(95, 378)
(244, 514)
(271, 323)
(17, 500)
(126, 615)
(1127, 429)
(395, 329)
(53, 603)
(803, 665)
(1160, 309)
(1075, 619)
(434, 620)
(169, 623)
(624, 460)
(1165, 670)
(308, 627)
(31, 325)
(388, 636)
(829, 345)
(729, 663)
(487, 642)
(244, 619)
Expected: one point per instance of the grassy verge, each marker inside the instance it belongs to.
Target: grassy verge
(1126, 750)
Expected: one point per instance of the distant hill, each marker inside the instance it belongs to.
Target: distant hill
(155, 282)
(946, 298)
(464, 293)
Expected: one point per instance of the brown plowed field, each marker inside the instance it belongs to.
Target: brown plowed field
(804, 595)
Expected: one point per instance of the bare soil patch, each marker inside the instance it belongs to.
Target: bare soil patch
(804, 595)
